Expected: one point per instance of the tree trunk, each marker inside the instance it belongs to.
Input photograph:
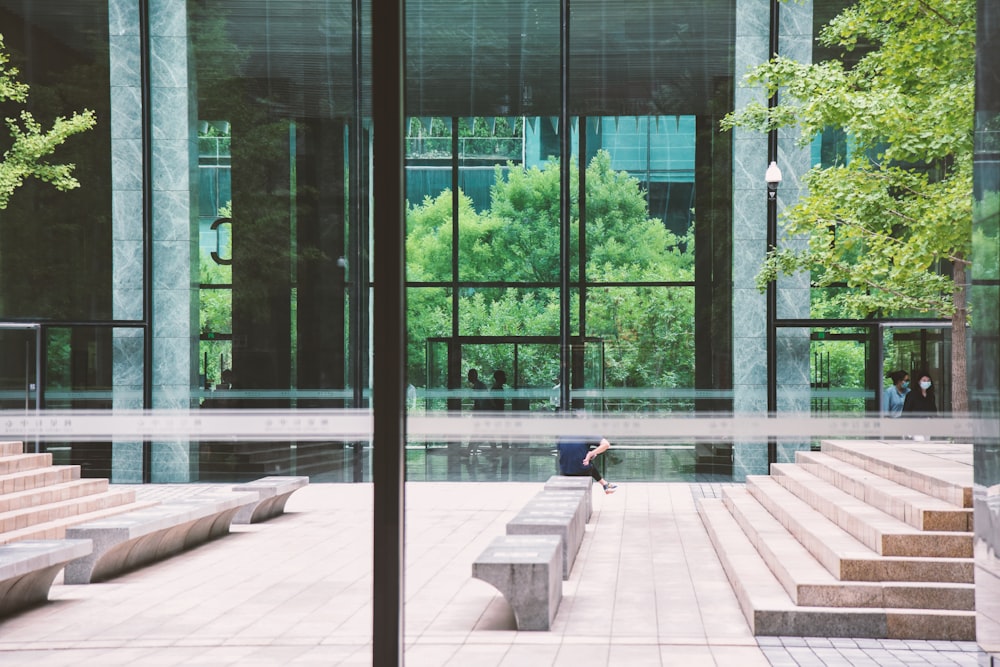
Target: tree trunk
(959, 344)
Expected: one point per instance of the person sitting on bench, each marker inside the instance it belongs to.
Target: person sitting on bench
(576, 458)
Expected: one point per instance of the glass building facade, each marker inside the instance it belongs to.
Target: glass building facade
(224, 226)
(575, 218)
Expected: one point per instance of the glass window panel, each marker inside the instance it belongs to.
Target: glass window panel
(517, 239)
(509, 311)
(625, 241)
(482, 58)
(56, 259)
(277, 128)
(428, 323)
(647, 335)
(659, 57)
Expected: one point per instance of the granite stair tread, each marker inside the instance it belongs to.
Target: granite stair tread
(37, 477)
(11, 447)
(27, 516)
(21, 462)
(916, 508)
(932, 468)
(771, 612)
(55, 529)
(808, 583)
(43, 495)
(881, 532)
(840, 552)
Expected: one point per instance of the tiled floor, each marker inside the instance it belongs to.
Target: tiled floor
(646, 589)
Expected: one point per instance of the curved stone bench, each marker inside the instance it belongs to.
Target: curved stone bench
(126, 541)
(272, 492)
(27, 569)
(527, 570)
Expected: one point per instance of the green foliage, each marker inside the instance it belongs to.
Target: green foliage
(986, 236)
(891, 221)
(29, 143)
(648, 331)
(215, 306)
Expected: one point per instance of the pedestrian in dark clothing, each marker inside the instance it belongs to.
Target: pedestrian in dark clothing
(576, 459)
(921, 400)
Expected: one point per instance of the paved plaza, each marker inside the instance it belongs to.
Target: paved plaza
(646, 589)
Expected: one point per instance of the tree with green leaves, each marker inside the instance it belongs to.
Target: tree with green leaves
(30, 144)
(890, 220)
(647, 330)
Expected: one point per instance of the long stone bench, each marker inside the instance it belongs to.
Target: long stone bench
(129, 540)
(527, 570)
(570, 483)
(27, 569)
(272, 493)
(559, 513)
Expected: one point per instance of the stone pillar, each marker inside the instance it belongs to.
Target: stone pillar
(793, 291)
(126, 216)
(750, 235)
(175, 230)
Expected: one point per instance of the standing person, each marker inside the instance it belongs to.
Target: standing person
(478, 385)
(894, 397)
(921, 400)
(576, 459)
(498, 403)
(478, 404)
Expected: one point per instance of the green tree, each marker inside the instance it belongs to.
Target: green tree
(893, 220)
(29, 144)
(648, 331)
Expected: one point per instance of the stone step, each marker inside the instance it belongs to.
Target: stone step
(20, 462)
(925, 467)
(841, 553)
(914, 507)
(56, 528)
(808, 583)
(11, 447)
(53, 493)
(37, 477)
(884, 534)
(770, 612)
(26, 517)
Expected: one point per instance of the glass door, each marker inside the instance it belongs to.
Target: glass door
(19, 364)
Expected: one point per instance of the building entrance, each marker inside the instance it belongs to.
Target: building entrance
(20, 350)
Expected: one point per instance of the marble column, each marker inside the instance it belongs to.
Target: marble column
(793, 291)
(175, 231)
(750, 236)
(127, 268)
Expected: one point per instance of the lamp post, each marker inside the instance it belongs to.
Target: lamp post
(772, 177)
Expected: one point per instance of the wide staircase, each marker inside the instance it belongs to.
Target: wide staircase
(39, 500)
(860, 539)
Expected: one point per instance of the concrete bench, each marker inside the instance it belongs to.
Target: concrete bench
(559, 513)
(570, 483)
(527, 570)
(27, 569)
(131, 539)
(272, 492)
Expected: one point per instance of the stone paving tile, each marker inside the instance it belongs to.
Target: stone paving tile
(309, 575)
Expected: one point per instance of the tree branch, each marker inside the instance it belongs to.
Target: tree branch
(928, 303)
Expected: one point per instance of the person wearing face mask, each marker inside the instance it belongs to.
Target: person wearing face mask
(921, 400)
(894, 396)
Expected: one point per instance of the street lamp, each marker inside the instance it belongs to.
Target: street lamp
(772, 177)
